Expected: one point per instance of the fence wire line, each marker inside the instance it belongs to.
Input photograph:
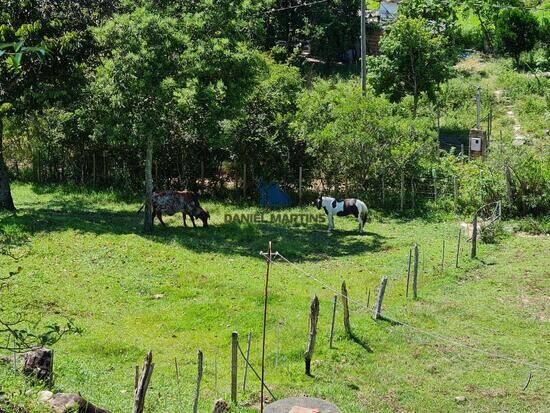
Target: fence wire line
(420, 330)
(253, 370)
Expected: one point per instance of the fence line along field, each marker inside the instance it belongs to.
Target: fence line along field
(84, 258)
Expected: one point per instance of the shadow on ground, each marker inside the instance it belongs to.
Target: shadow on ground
(297, 243)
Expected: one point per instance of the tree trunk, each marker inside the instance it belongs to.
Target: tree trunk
(6, 200)
(148, 219)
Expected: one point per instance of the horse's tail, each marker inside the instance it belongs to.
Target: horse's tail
(364, 212)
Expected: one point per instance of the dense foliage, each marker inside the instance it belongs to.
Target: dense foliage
(157, 94)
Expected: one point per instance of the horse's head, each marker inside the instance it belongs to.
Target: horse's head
(318, 202)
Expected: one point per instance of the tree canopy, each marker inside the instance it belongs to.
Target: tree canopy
(412, 61)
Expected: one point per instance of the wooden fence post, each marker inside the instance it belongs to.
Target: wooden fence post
(413, 194)
(93, 169)
(143, 383)
(347, 325)
(443, 258)
(198, 386)
(234, 349)
(381, 291)
(333, 320)
(247, 360)
(458, 246)
(313, 318)
(474, 237)
(300, 176)
(415, 273)
(415, 268)
(402, 190)
(455, 191)
(408, 273)
(383, 192)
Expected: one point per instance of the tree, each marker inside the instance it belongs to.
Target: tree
(356, 141)
(516, 31)
(260, 136)
(441, 17)
(412, 61)
(28, 84)
(486, 12)
(163, 74)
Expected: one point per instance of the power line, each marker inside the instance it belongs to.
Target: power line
(422, 331)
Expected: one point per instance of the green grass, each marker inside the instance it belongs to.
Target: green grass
(87, 259)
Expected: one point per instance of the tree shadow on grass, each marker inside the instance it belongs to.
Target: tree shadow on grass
(297, 243)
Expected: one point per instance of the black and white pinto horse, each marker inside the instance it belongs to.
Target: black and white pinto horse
(343, 208)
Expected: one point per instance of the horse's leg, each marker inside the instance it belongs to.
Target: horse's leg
(330, 222)
(159, 216)
(184, 219)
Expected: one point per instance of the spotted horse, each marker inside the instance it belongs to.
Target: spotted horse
(343, 208)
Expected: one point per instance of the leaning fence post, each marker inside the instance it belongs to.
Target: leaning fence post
(198, 386)
(458, 246)
(247, 360)
(381, 291)
(409, 273)
(415, 268)
(347, 325)
(474, 237)
(143, 383)
(234, 349)
(313, 318)
(333, 319)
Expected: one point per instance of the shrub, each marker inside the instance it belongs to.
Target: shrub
(516, 31)
(493, 233)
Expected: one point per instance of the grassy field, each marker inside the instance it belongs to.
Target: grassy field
(184, 289)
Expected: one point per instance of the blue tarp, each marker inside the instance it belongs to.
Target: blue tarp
(272, 196)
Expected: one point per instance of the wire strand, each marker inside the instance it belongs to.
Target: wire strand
(451, 340)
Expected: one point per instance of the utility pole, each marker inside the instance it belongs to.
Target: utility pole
(478, 103)
(363, 49)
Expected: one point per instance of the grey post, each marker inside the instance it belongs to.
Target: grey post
(333, 320)
(415, 269)
(458, 246)
(244, 180)
(234, 349)
(478, 107)
(381, 291)
(408, 273)
(474, 237)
